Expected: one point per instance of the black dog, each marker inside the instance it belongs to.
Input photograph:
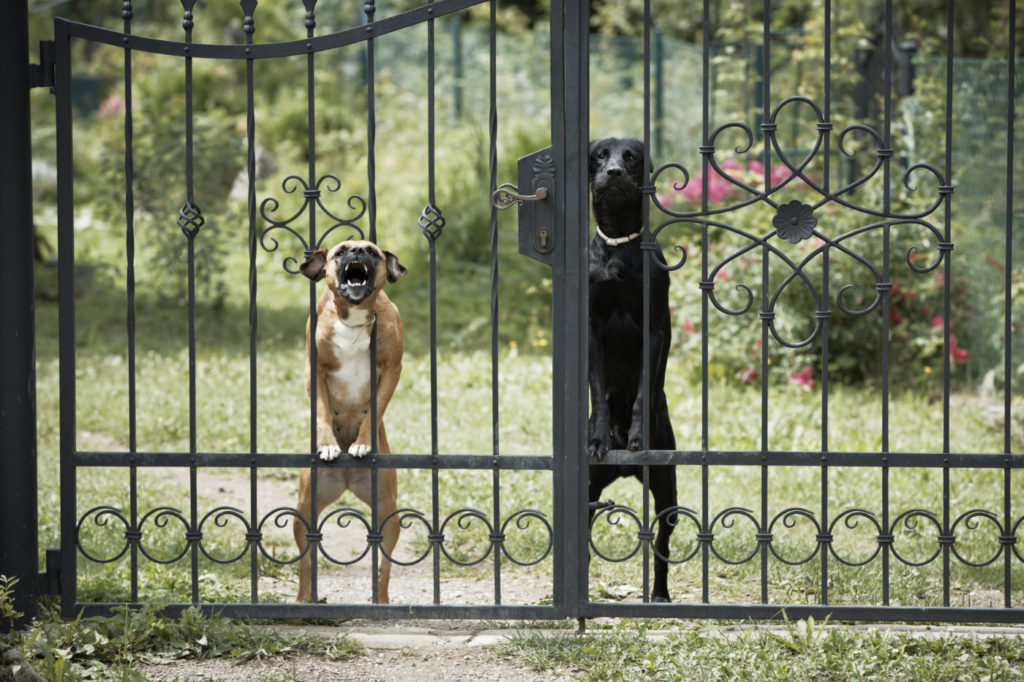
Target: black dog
(616, 335)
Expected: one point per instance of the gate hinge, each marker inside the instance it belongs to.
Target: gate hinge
(41, 75)
(49, 582)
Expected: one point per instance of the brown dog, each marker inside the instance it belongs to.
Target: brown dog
(356, 272)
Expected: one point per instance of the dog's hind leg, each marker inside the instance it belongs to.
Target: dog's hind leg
(330, 486)
(663, 487)
(387, 503)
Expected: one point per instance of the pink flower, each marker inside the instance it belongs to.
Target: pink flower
(113, 104)
(688, 325)
(957, 355)
(937, 321)
(803, 377)
(780, 173)
(747, 375)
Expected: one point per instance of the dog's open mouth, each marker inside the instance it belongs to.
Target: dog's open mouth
(355, 274)
(355, 280)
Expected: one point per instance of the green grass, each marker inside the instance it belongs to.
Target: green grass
(804, 650)
(110, 648)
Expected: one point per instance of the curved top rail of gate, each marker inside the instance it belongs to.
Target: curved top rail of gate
(289, 48)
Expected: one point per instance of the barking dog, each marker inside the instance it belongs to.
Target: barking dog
(616, 335)
(353, 302)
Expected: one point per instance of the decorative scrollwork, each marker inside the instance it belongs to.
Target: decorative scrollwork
(405, 517)
(100, 516)
(431, 222)
(612, 515)
(970, 521)
(671, 516)
(522, 520)
(789, 518)
(190, 219)
(464, 518)
(312, 203)
(343, 518)
(725, 517)
(796, 220)
(851, 519)
(161, 516)
(221, 517)
(909, 519)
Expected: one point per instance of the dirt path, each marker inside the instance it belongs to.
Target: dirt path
(412, 584)
(398, 650)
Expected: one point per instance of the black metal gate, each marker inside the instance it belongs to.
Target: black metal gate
(829, 183)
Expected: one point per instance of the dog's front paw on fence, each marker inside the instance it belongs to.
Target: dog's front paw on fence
(359, 450)
(328, 453)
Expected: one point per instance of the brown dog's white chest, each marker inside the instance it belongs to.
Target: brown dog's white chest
(346, 343)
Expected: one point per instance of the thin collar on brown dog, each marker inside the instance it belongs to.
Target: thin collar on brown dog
(615, 241)
(365, 325)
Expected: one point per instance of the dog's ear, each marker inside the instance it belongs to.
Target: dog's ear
(315, 265)
(395, 269)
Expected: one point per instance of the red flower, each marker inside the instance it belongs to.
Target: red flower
(957, 355)
(803, 377)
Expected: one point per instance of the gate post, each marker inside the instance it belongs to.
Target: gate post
(19, 548)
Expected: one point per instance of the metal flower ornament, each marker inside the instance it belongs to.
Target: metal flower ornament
(795, 221)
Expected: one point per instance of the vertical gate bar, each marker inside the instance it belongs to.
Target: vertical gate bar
(249, 28)
(432, 253)
(823, 312)
(570, 125)
(946, 290)
(885, 285)
(129, 215)
(371, 176)
(66, 295)
(312, 547)
(18, 468)
(704, 310)
(188, 24)
(1011, 114)
(492, 157)
(765, 357)
(645, 334)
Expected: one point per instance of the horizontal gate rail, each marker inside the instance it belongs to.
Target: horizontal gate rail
(375, 611)
(269, 459)
(896, 460)
(774, 458)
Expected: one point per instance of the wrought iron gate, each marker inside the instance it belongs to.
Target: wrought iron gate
(802, 219)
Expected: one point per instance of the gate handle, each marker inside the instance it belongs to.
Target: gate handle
(507, 196)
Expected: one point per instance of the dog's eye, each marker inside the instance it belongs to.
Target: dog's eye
(602, 154)
(629, 156)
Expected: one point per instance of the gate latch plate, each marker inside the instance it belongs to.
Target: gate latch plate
(537, 218)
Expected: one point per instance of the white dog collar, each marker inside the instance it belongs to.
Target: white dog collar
(615, 241)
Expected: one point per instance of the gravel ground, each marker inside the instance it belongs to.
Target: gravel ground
(460, 663)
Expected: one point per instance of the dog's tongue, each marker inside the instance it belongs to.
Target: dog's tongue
(356, 280)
